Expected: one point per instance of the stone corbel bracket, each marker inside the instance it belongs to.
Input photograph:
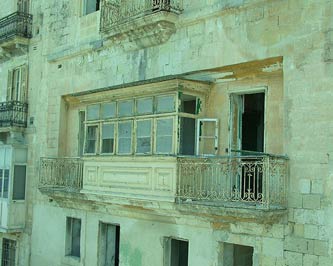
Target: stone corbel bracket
(143, 32)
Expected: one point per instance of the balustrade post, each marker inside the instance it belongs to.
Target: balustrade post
(267, 181)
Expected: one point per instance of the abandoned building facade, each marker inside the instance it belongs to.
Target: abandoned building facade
(166, 133)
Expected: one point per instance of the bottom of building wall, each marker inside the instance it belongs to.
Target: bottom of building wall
(14, 249)
(77, 237)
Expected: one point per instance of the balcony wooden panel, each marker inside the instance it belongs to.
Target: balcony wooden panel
(147, 178)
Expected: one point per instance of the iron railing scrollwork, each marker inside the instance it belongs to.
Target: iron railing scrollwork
(13, 113)
(260, 180)
(115, 12)
(61, 173)
(16, 24)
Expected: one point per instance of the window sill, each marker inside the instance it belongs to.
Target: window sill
(71, 261)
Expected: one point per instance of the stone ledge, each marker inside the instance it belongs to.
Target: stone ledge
(216, 215)
(142, 32)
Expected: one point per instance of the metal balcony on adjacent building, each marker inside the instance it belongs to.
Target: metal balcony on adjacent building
(149, 21)
(15, 31)
(13, 114)
(237, 181)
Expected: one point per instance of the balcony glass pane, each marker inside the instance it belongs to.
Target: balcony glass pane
(125, 108)
(93, 112)
(144, 106)
(91, 139)
(108, 110)
(165, 103)
(108, 138)
(164, 135)
(143, 134)
(125, 137)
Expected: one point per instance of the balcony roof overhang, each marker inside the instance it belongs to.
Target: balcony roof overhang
(205, 77)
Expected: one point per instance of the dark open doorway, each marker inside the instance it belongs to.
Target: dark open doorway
(247, 140)
(253, 122)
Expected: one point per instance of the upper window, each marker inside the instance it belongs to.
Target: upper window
(90, 6)
(17, 84)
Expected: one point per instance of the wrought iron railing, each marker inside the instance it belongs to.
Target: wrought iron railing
(13, 113)
(61, 173)
(115, 12)
(16, 24)
(249, 180)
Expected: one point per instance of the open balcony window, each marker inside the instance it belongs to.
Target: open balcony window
(207, 136)
(187, 135)
(188, 104)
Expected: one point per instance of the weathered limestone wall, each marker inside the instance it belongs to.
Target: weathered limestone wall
(8, 8)
(68, 58)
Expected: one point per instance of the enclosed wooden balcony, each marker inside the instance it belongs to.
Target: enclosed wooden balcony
(13, 160)
(15, 32)
(148, 22)
(257, 182)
